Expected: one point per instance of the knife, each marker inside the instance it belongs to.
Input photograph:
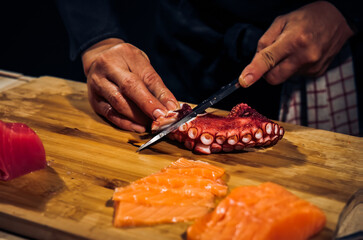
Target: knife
(222, 93)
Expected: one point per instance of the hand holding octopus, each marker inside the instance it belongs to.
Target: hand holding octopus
(304, 41)
(123, 86)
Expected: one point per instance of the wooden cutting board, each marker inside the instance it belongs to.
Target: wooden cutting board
(87, 158)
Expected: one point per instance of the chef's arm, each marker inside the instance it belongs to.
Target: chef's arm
(122, 84)
(304, 41)
(88, 22)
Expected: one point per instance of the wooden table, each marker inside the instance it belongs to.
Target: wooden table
(87, 158)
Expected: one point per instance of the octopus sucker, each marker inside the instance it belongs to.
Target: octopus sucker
(206, 138)
(215, 148)
(184, 127)
(268, 128)
(207, 133)
(247, 138)
(220, 139)
(281, 132)
(232, 140)
(200, 147)
(259, 134)
(193, 133)
(276, 129)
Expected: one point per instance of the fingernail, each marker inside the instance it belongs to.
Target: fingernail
(137, 128)
(171, 105)
(158, 113)
(247, 80)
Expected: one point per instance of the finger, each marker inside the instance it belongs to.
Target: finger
(111, 93)
(152, 80)
(264, 61)
(103, 108)
(271, 35)
(133, 88)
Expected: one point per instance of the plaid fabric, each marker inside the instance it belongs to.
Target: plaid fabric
(328, 102)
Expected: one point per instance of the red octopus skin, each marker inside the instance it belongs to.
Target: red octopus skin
(208, 133)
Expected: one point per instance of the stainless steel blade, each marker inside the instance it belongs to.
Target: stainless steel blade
(222, 93)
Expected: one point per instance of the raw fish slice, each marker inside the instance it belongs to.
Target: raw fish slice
(203, 169)
(169, 196)
(135, 214)
(159, 195)
(260, 212)
(21, 151)
(166, 179)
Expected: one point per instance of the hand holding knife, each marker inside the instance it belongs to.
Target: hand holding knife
(222, 93)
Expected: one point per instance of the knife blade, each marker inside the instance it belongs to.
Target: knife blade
(219, 95)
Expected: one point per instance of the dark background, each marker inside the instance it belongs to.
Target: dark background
(34, 42)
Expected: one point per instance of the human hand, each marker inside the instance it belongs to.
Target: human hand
(304, 41)
(123, 86)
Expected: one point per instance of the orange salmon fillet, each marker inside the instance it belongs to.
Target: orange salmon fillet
(183, 191)
(267, 211)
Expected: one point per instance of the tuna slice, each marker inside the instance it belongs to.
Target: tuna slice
(264, 212)
(21, 151)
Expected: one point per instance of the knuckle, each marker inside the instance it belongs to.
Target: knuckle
(100, 61)
(94, 82)
(128, 48)
(279, 18)
(262, 43)
(313, 55)
(304, 39)
(102, 64)
(268, 58)
(129, 84)
(114, 98)
(163, 95)
(151, 77)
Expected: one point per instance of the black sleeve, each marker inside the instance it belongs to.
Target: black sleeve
(88, 22)
(352, 13)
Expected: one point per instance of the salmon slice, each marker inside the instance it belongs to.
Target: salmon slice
(135, 214)
(267, 211)
(175, 181)
(183, 191)
(200, 168)
(160, 195)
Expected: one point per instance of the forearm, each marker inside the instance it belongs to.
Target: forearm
(88, 23)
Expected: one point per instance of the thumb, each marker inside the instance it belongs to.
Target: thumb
(261, 63)
(268, 54)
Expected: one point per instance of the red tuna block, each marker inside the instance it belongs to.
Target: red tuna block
(21, 151)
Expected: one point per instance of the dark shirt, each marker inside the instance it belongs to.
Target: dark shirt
(196, 46)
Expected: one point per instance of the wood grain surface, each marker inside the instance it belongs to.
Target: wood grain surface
(87, 158)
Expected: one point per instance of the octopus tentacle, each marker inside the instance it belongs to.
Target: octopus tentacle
(207, 133)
